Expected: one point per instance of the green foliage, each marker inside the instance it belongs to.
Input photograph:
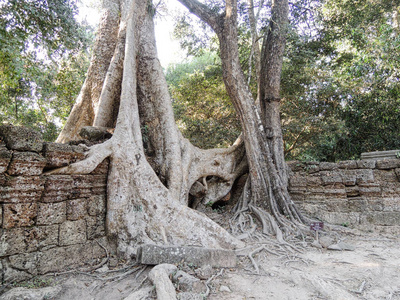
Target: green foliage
(43, 58)
(202, 107)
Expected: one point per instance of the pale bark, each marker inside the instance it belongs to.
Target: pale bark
(83, 112)
(151, 175)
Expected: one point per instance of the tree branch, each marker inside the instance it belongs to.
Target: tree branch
(203, 12)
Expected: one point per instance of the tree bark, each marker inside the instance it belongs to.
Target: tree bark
(152, 167)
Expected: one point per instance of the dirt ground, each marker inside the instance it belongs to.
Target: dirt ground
(370, 271)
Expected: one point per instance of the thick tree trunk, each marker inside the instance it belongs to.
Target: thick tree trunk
(152, 174)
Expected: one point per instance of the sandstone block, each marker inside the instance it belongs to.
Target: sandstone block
(72, 232)
(76, 209)
(347, 164)
(96, 205)
(23, 240)
(370, 191)
(21, 138)
(366, 164)
(95, 227)
(19, 215)
(25, 261)
(61, 155)
(388, 163)
(383, 218)
(13, 275)
(327, 166)
(51, 213)
(155, 255)
(329, 177)
(26, 163)
(352, 191)
(62, 258)
(365, 176)
(58, 188)
(384, 176)
(298, 181)
(5, 158)
(20, 189)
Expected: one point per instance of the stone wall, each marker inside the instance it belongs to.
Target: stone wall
(48, 223)
(362, 194)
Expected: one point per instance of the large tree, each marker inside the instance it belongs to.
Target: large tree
(149, 183)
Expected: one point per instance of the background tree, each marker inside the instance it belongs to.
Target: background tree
(43, 58)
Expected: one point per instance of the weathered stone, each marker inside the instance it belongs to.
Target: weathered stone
(1, 216)
(96, 205)
(336, 192)
(19, 215)
(154, 255)
(366, 164)
(397, 172)
(13, 275)
(326, 241)
(25, 262)
(365, 176)
(383, 218)
(371, 191)
(72, 232)
(187, 282)
(385, 176)
(21, 138)
(23, 240)
(357, 204)
(352, 191)
(327, 166)
(51, 213)
(20, 189)
(60, 155)
(26, 163)
(5, 158)
(95, 226)
(50, 292)
(388, 164)
(314, 181)
(76, 209)
(58, 188)
(298, 181)
(380, 154)
(93, 133)
(347, 164)
(329, 177)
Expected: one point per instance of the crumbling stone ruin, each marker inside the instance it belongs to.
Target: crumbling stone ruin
(52, 223)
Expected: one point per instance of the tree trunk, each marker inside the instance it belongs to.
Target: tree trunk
(153, 169)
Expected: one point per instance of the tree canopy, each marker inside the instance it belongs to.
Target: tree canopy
(43, 61)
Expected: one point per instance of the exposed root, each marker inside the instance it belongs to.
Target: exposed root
(94, 157)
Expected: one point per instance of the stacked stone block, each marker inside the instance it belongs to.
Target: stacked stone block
(48, 223)
(364, 194)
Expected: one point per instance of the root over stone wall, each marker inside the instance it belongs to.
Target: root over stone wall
(52, 223)
(48, 223)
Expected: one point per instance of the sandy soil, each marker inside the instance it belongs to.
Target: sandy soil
(371, 271)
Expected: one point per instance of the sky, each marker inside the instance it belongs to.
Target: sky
(169, 51)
